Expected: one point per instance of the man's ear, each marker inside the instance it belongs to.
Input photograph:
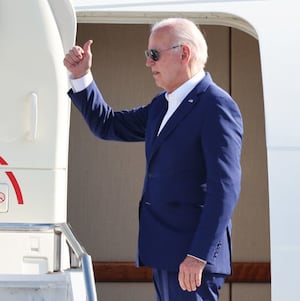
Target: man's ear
(186, 52)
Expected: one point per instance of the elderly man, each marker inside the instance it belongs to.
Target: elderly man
(193, 138)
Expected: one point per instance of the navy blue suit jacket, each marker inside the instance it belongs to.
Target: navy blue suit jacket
(193, 174)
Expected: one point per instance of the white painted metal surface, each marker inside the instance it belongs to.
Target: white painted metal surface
(34, 123)
(44, 263)
(40, 259)
(68, 286)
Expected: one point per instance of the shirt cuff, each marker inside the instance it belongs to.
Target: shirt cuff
(79, 84)
(197, 258)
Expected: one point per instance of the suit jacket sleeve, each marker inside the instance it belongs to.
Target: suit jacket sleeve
(221, 145)
(104, 122)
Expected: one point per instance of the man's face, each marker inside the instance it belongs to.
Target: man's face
(168, 70)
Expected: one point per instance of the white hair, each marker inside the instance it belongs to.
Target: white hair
(184, 31)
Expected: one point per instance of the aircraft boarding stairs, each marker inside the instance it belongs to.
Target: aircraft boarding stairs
(44, 262)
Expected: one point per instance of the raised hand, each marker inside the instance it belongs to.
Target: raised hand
(78, 60)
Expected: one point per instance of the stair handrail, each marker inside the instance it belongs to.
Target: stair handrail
(82, 257)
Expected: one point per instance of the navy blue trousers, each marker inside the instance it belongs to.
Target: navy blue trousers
(168, 289)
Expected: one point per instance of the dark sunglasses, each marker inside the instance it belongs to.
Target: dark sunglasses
(155, 54)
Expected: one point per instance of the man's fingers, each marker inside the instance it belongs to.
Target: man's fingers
(87, 46)
(193, 282)
(73, 57)
(190, 274)
(188, 282)
(181, 280)
(198, 279)
(79, 60)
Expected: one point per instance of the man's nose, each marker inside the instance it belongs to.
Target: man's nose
(149, 62)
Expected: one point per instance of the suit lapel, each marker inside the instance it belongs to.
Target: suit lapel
(182, 111)
(185, 107)
(161, 109)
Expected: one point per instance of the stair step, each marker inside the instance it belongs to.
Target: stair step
(65, 286)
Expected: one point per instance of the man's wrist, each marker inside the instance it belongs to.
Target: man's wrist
(81, 83)
(197, 258)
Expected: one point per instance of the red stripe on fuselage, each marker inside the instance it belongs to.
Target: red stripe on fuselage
(14, 183)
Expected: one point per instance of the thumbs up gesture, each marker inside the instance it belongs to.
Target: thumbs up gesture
(78, 60)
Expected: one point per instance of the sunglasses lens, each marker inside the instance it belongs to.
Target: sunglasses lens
(153, 54)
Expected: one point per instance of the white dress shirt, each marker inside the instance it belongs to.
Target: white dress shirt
(176, 97)
(81, 83)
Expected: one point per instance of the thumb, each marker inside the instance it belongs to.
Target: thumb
(87, 46)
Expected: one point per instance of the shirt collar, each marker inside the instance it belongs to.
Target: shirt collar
(178, 95)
